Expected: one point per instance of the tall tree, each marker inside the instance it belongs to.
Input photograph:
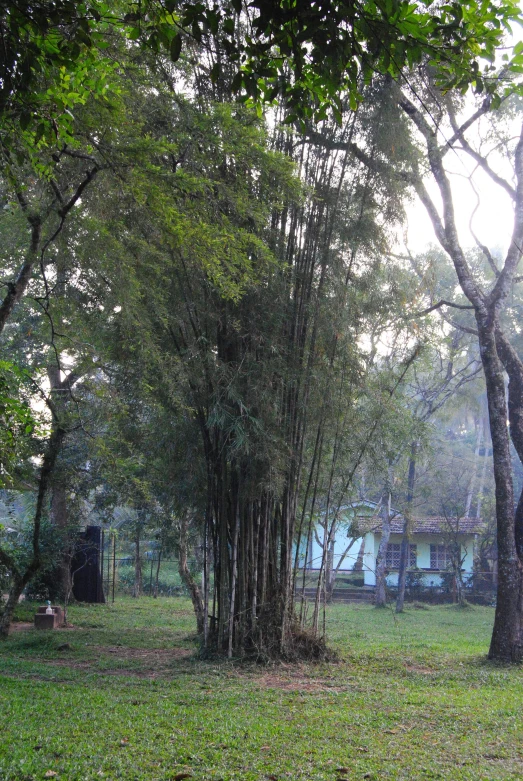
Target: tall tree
(496, 352)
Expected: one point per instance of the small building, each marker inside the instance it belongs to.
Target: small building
(435, 542)
(346, 542)
(437, 545)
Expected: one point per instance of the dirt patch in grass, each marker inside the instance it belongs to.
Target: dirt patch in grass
(416, 668)
(296, 682)
(144, 654)
(70, 664)
(20, 626)
(152, 661)
(24, 626)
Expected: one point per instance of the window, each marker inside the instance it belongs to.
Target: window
(440, 557)
(392, 557)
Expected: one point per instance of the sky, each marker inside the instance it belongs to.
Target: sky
(492, 222)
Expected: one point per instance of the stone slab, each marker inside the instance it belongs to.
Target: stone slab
(44, 620)
(56, 609)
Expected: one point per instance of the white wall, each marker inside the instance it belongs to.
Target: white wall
(423, 543)
(371, 547)
(369, 559)
(340, 544)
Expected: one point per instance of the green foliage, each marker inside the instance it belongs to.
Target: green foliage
(56, 56)
(169, 583)
(17, 420)
(52, 63)
(333, 48)
(46, 584)
(415, 581)
(235, 313)
(19, 544)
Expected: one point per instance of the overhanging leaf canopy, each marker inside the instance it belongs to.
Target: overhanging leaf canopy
(54, 52)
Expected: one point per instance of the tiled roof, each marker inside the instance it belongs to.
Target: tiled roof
(423, 525)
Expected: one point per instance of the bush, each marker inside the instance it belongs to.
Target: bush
(415, 581)
(125, 585)
(4, 581)
(47, 582)
(447, 580)
(46, 585)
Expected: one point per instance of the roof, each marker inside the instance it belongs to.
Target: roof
(423, 525)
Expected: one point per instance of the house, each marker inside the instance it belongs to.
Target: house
(345, 549)
(434, 543)
(355, 544)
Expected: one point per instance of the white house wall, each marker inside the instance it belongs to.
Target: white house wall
(340, 545)
(371, 547)
(423, 543)
(369, 560)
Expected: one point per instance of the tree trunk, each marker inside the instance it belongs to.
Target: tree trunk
(138, 577)
(6, 617)
(407, 530)
(330, 573)
(381, 593)
(157, 576)
(16, 289)
(234, 574)
(514, 368)
(187, 578)
(59, 518)
(481, 487)
(506, 635)
(472, 483)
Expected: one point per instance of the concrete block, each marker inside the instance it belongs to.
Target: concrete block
(52, 620)
(56, 609)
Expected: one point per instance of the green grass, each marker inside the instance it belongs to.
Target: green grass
(169, 581)
(411, 698)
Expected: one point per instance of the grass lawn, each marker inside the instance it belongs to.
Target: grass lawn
(411, 698)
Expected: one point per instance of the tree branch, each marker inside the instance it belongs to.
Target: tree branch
(15, 290)
(480, 159)
(440, 303)
(447, 234)
(458, 131)
(502, 287)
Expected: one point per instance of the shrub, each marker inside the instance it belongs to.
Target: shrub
(415, 581)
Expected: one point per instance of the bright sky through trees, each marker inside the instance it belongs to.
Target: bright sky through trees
(492, 221)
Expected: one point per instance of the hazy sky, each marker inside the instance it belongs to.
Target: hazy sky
(493, 220)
